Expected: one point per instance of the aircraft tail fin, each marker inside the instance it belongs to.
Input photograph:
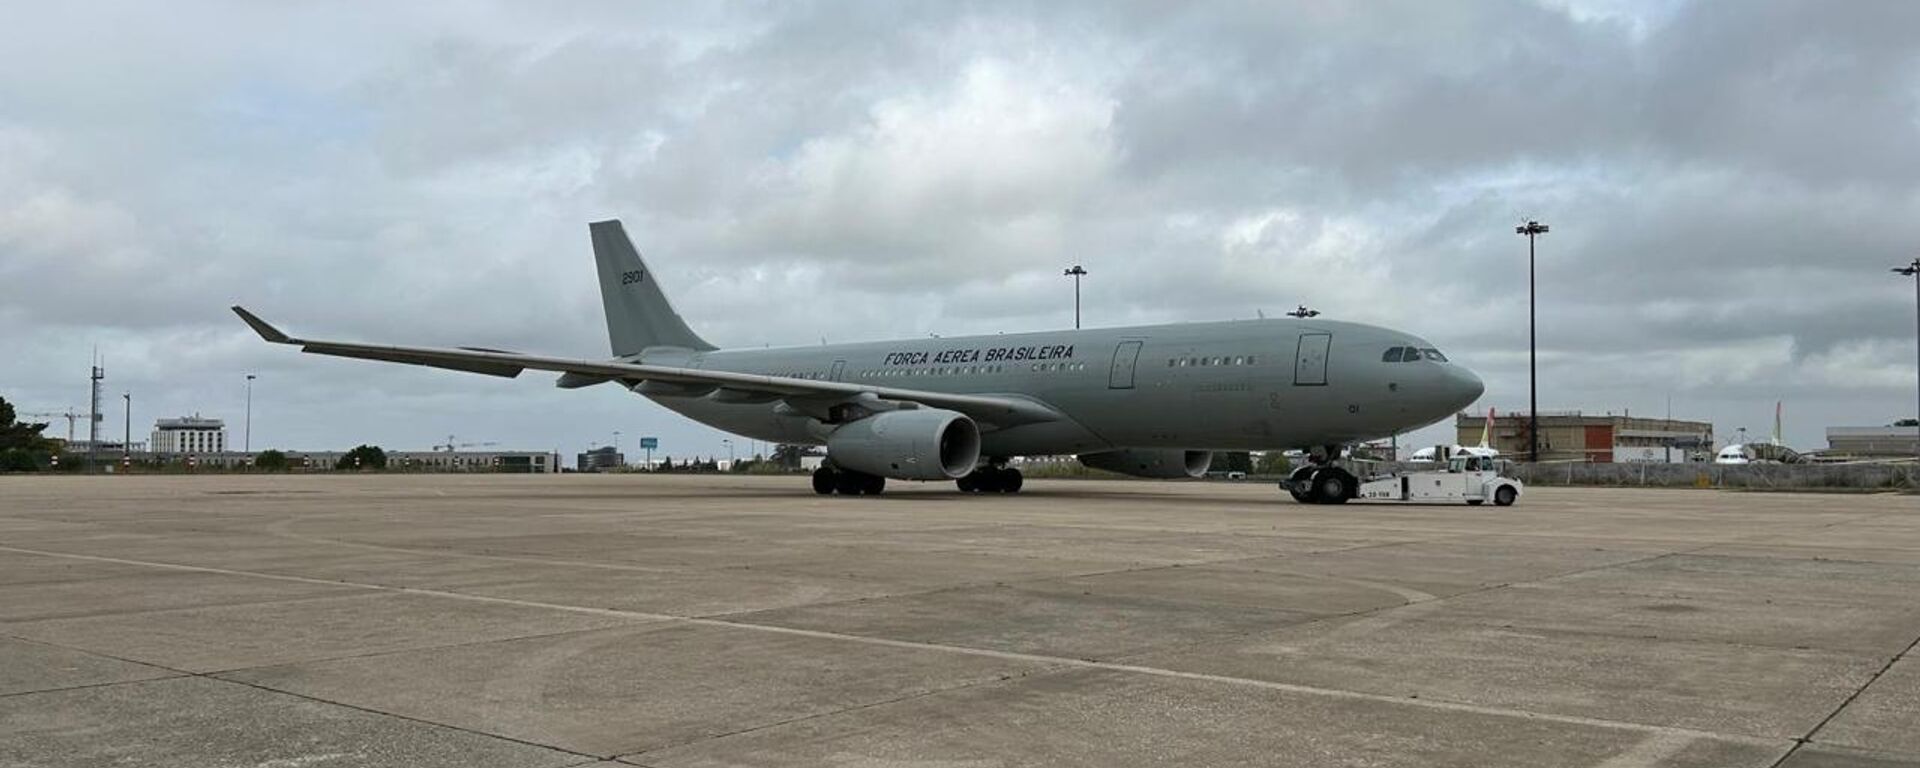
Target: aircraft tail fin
(1776, 422)
(638, 313)
(1486, 431)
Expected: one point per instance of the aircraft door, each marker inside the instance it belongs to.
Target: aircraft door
(1124, 358)
(839, 368)
(1310, 365)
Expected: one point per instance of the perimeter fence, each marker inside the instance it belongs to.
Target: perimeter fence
(1753, 476)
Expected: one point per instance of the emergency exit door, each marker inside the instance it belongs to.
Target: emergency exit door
(1124, 358)
(1310, 365)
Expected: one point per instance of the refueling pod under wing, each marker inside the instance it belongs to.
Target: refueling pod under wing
(1162, 463)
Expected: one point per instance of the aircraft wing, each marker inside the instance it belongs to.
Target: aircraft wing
(805, 395)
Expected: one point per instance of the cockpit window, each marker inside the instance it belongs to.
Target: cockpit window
(1393, 355)
(1412, 354)
(1434, 354)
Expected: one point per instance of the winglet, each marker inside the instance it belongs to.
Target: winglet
(261, 327)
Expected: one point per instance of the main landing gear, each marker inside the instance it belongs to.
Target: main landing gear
(1322, 481)
(991, 479)
(846, 482)
(829, 480)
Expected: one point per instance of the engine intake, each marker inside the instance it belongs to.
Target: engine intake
(918, 444)
(1161, 463)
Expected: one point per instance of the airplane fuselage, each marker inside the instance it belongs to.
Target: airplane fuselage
(1240, 385)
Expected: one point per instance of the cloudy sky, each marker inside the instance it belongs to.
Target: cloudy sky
(1727, 184)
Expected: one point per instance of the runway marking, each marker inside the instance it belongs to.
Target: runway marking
(1043, 660)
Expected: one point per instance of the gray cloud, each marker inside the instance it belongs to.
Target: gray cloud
(1727, 185)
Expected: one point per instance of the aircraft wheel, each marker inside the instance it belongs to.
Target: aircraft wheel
(1011, 480)
(1332, 485)
(850, 483)
(969, 482)
(1299, 485)
(824, 481)
(875, 485)
(1505, 496)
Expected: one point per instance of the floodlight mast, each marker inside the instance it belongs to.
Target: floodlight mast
(1532, 229)
(1913, 270)
(1076, 273)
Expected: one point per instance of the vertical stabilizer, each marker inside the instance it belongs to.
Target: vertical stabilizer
(1776, 422)
(1486, 431)
(638, 314)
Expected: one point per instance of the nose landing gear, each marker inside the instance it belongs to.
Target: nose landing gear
(1322, 481)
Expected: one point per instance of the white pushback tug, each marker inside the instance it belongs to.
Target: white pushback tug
(1466, 478)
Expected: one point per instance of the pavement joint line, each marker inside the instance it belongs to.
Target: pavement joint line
(1875, 677)
(429, 723)
(234, 604)
(1039, 659)
(440, 647)
(183, 674)
(64, 689)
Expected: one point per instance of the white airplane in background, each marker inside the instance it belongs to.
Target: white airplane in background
(1484, 450)
(1773, 451)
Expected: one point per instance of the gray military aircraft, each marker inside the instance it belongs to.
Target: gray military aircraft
(1151, 401)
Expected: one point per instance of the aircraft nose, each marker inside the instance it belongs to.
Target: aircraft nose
(1464, 386)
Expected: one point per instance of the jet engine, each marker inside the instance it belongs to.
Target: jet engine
(1162, 463)
(916, 444)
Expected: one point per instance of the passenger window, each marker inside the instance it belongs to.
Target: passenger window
(1239, 361)
(1251, 360)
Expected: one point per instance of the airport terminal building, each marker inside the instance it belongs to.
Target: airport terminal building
(1594, 438)
(1871, 442)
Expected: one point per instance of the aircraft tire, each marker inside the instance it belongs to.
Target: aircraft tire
(849, 483)
(875, 485)
(969, 482)
(1505, 496)
(1301, 478)
(1332, 485)
(823, 481)
(1011, 480)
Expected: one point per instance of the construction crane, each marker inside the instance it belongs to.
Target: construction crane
(70, 415)
(452, 445)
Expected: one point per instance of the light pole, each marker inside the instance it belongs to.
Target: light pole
(729, 453)
(1076, 273)
(1532, 229)
(126, 440)
(616, 444)
(1913, 270)
(247, 436)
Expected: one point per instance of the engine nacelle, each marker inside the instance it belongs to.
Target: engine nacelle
(917, 444)
(1162, 463)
